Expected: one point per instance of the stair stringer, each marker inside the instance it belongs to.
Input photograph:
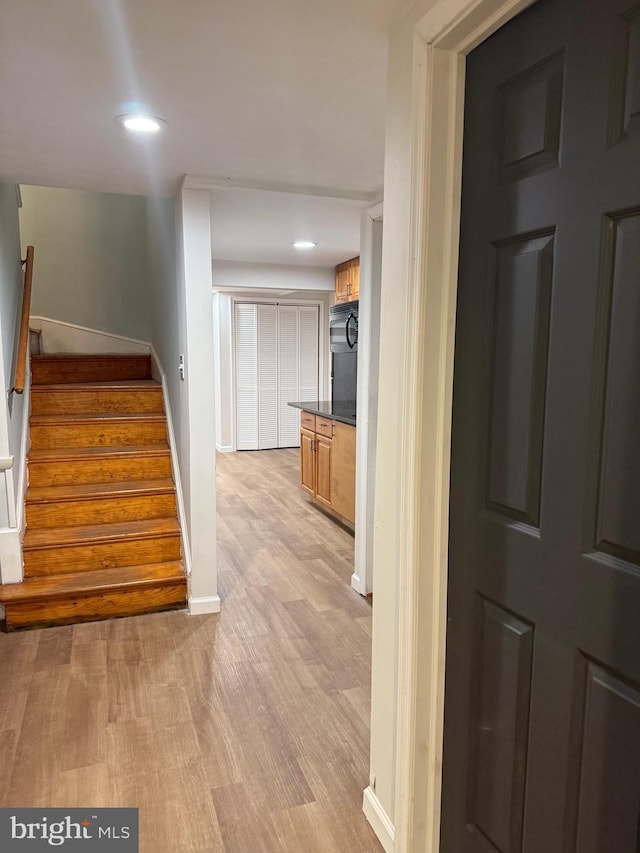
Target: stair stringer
(159, 375)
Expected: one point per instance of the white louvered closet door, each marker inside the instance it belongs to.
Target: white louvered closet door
(267, 377)
(246, 359)
(289, 368)
(276, 355)
(308, 353)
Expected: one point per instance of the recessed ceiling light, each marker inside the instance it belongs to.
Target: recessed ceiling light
(304, 244)
(140, 123)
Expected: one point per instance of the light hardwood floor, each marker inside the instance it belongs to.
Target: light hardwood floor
(241, 732)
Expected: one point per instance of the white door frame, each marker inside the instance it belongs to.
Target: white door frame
(442, 39)
(367, 397)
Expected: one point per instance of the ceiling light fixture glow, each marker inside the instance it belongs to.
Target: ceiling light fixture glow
(304, 244)
(140, 123)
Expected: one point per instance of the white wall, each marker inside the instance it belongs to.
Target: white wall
(12, 409)
(11, 289)
(167, 325)
(92, 265)
(251, 275)
(388, 531)
(197, 395)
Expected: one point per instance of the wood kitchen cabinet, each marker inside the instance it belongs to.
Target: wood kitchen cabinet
(308, 461)
(315, 466)
(348, 281)
(343, 478)
(343, 279)
(327, 463)
(323, 470)
(355, 280)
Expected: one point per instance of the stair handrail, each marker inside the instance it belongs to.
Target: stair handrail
(23, 336)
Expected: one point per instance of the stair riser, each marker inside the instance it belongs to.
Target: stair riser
(98, 402)
(97, 435)
(52, 372)
(101, 510)
(58, 560)
(99, 471)
(88, 608)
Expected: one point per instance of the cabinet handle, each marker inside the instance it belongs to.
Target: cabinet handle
(333, 430)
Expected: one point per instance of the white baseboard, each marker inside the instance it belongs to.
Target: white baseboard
(158, 373)
(10, 555)
(224, 448)
(378, 819)
(357, 584)
(58, 336)
(207, 604)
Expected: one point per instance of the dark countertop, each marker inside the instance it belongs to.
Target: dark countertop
(345, 411)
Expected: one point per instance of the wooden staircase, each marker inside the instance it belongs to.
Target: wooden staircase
(102, 537)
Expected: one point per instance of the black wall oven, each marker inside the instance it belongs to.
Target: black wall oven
(343, 335)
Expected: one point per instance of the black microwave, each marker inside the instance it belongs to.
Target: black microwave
(343, 327)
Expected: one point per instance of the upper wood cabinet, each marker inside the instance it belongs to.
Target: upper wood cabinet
(348, 281)
(355, 279)
(343, 277)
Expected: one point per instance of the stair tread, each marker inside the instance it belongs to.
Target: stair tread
(51, 537)
(115, 385)
(51, 454)
(94, 417)
(96, 580)
(48, 494)
(78, 356)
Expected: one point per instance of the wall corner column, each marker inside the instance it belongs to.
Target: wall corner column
(199, 448)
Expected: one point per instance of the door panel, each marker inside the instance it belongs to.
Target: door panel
(267, 377)
(308, 461)
(618, 531)
(522, 299)
(323, 470)
(246, 366)
(503, 669)
(610, 763)
(542, 705)
(343, 467)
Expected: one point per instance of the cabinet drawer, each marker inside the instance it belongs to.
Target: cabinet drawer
(324, 426)
(308, 421)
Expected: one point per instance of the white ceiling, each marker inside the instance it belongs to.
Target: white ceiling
(285, 92)
(259, 226)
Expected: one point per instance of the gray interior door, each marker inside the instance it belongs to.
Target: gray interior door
(542, 707)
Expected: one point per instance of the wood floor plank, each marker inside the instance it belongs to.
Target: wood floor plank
(241, 825)
(168, 822)
(241, 732)
(85, 720)
(8, 745)
(12, 707)
(80, 787)
(303, 828)
(39, 756)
